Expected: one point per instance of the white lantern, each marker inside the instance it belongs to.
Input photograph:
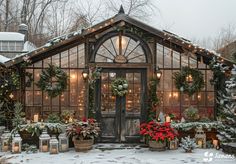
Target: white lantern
(44, 142)
(200, 137)
(16, 143)
(53, 145)
(5, 141)
(173, 144)
(63, 142)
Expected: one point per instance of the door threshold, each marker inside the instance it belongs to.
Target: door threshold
(118, 146)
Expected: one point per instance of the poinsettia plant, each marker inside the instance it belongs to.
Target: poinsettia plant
(157, 131)
(83, 130)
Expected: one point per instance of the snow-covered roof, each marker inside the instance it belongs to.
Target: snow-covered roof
(3, 59)
(119, 18)
(11, 36)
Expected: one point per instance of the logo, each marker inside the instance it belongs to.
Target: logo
(208, 157)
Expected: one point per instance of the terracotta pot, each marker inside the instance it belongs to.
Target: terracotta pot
(157, 146)
(83, 145)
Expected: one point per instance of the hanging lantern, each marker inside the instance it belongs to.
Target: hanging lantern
(44, 142)
(173, 144)
(200, 137)
(16, 143)
(85, 74)
(53, 145)
(5, 140)
(63, 142)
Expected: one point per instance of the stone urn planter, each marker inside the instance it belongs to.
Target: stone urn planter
(83, 145)
(157, 146)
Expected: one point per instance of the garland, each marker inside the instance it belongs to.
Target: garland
(183, 85)
(185, 126)
(119, 87)
(153, 100)
(95, 75)
(45, 82)
(37, 128)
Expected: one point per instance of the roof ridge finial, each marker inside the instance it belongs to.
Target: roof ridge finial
(121, 10)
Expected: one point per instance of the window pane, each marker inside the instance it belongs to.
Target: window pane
(176, 59)
(55, 60)
(46, 62)
(37, 98)
(81, 56)
(167, 57)
(167, 80)
(209, 77)
(64, 59)
(29, 98)
(73, 57)
(184, 60)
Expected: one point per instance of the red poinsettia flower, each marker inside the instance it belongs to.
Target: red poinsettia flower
(157, 131)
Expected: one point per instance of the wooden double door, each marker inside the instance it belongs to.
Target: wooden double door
(120, 117)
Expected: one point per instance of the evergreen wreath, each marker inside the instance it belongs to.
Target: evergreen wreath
(183, 85)
(53, 80)
(119, 87)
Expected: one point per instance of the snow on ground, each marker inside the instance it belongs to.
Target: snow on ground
(123, 155)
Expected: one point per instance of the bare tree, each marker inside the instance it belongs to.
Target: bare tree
(141, 9)
(225, 37)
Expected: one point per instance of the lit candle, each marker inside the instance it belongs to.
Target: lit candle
(44, 148)
(36, 118)
(53, 151)
(215, 143)
(64, 147)
(168, 119)
(16, 149)
(5, 148)
(199, 143)
(70, 120)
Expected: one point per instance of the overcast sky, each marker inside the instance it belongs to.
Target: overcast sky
(196, 19)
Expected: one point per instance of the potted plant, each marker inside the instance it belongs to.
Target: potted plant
(188, 144)
(157, 134)
(83, 133)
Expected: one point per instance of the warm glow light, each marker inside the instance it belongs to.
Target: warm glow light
(199, 96)
(170, 95)
(85, 74)
(189, 78)
(123, 42)
(73, 76)
(175, 94)
(11, 96)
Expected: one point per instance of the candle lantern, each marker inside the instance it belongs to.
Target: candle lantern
(36, 118)
(16, 143)
(44, 142)
(53, 145)
(173, 144)
(168, 119)
(200, 137)
(215, 143)
(63, 142)
(5, 141)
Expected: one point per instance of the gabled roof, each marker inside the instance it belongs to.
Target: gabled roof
(106, 24)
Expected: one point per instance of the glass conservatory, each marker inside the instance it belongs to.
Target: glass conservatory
(120, 48)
